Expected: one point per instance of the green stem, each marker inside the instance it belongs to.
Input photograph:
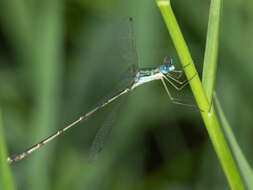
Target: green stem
(208, 115)
(211, 52)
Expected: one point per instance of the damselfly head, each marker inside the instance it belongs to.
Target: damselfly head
(168, 65)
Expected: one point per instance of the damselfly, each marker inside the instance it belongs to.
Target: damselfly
(164, 72)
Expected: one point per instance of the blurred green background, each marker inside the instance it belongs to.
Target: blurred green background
(58, 59)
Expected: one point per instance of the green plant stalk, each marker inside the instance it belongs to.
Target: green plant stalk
(5, 172)
(211, 52)
(209, 116)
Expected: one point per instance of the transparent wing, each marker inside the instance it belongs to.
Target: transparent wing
(104, 132)
(127, 42)
(127, 47)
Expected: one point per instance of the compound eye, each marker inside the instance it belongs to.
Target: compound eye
(165, 68)
(171, 60)
(168, 60)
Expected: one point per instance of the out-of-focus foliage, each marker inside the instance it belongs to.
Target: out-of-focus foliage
(56, 63)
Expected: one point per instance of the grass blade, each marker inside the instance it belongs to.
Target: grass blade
(6, 177)
(241, 161)
(211, 52)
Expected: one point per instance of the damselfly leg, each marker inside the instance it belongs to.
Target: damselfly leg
(182, 83)
(180, 72)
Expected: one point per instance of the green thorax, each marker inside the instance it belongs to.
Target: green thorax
(146, 72)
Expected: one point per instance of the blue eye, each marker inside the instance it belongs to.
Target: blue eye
(165, 68)
(171, 60)
(168, 60)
